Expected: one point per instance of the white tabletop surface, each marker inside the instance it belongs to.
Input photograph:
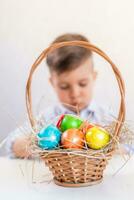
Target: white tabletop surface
(18, 177)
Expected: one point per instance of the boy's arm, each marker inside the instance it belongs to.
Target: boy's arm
(19, 140)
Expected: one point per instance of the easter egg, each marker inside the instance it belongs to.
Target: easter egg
(49, 137)
(68, 122)
(86, 126)
(97, 138)
(59, 121)
(72, 139)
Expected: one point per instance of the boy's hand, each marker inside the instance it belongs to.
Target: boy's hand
(21, 147)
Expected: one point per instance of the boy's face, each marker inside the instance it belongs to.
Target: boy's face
(75, 87)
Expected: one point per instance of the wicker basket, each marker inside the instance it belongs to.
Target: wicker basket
(72, 169)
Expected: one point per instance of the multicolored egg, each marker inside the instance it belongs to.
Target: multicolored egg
(97, 137)
(72, 139)
(49, 137)
(68, 122)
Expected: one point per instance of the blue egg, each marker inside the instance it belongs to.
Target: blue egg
(49, 137)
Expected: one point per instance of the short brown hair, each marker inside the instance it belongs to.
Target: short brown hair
(69, 57)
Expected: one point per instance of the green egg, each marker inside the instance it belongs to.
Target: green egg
(70, 121)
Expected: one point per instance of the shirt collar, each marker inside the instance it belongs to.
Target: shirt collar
(92, 107)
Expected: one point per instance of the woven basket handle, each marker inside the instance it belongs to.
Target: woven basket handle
(121, 114)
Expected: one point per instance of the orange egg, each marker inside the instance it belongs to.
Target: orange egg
(86, 126)
(72, 139)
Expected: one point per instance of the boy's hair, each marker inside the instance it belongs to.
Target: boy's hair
(69, 57)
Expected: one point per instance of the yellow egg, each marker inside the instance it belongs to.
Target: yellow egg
(97, 138)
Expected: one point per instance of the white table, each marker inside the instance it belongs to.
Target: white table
(16, 182)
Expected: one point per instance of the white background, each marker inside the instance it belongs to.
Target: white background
(27, 27)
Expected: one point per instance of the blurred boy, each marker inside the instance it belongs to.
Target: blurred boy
(72, 76)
